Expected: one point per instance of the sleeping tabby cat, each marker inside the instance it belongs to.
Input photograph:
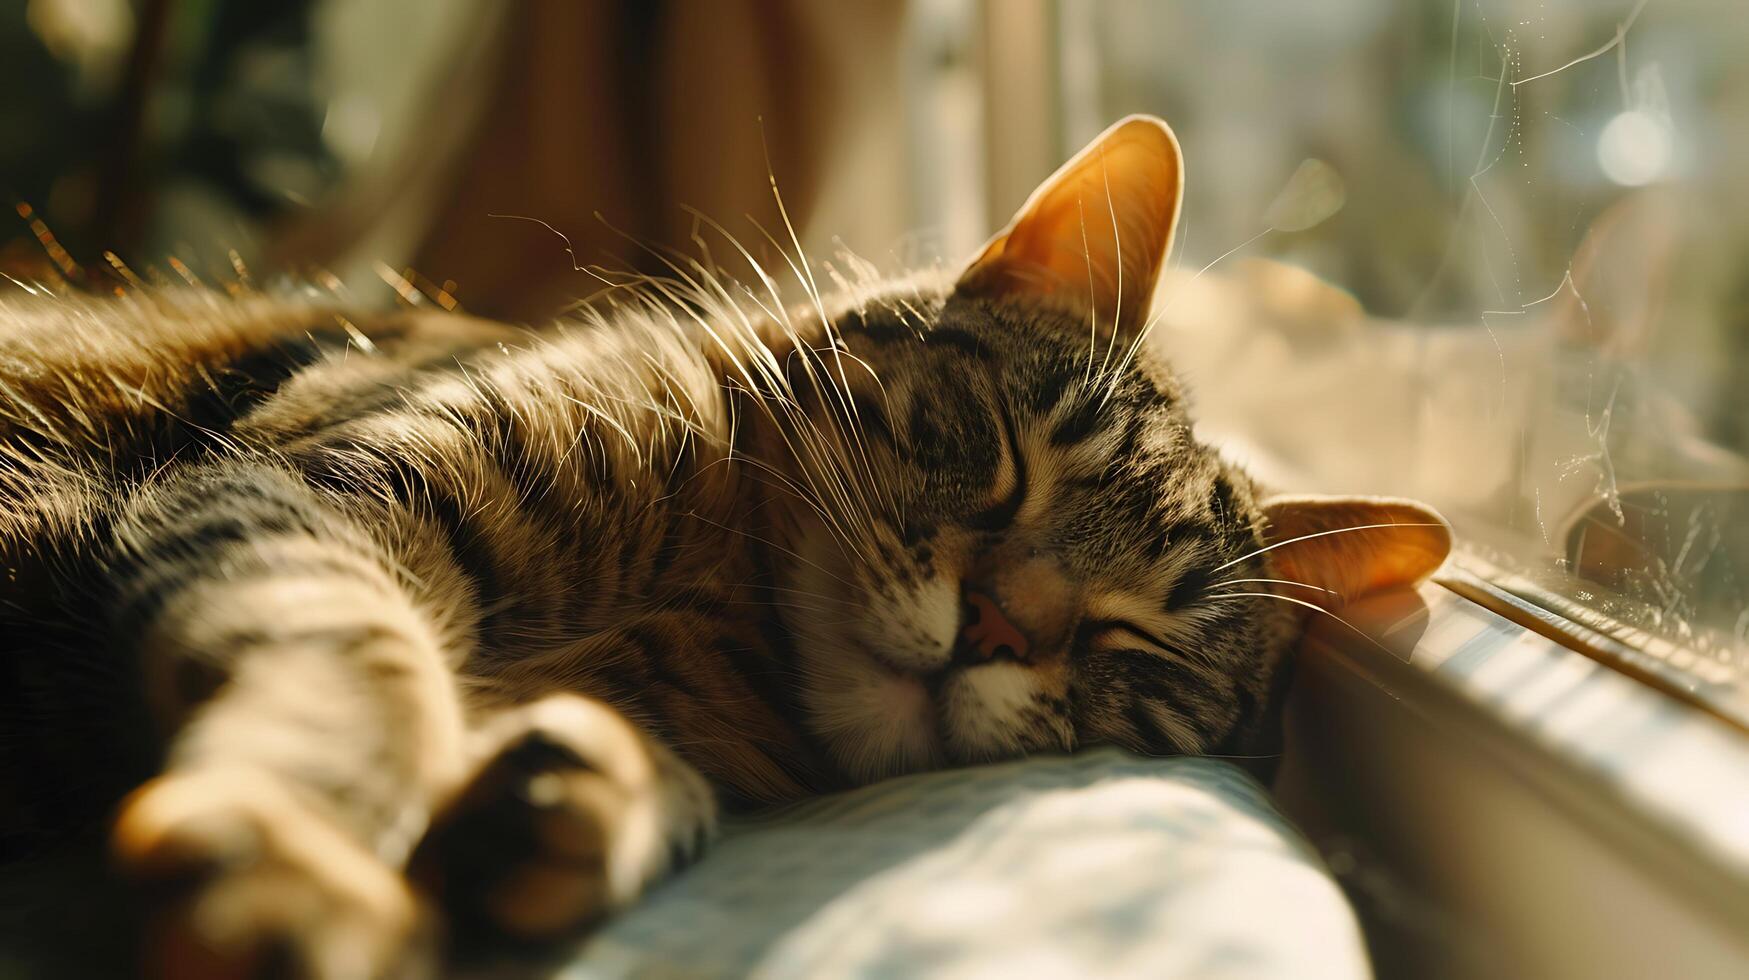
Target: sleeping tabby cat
(369, 612)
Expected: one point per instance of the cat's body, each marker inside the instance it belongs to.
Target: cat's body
(415, 590)
(547, 498)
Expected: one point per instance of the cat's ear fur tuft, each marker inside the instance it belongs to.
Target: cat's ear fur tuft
(1401, 543)
(1093, 238)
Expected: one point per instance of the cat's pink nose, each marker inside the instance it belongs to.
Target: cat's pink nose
(988, 633)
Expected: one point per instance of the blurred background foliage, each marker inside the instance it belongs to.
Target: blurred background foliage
(147, 127)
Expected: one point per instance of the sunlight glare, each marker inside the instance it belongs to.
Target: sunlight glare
(1634, 149)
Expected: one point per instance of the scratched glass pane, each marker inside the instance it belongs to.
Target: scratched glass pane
(1491, 254)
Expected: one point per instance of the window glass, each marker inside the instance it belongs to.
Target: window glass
(1490, 254)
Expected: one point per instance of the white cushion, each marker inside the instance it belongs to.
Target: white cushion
(1099, 864)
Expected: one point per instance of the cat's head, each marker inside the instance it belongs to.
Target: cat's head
(1004, 537)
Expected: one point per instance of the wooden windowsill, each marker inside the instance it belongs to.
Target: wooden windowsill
(1502, 805)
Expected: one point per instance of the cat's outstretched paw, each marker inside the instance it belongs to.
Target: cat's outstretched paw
(570, 817)
(243, 880)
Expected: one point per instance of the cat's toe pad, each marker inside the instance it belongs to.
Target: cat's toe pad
(571, 818)
(243, 880)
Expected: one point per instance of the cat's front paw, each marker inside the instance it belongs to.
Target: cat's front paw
(571, 816)
(242, 880)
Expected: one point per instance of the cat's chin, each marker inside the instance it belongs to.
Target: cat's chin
(993, 711)
(878, 719)
(873, 719)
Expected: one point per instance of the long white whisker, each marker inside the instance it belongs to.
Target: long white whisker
(1160, 311)
(1309, 605)
(804, 275)
(1117, 243)
(1275, 581)
(1092, 293)
(1320, 534)
(816, 444)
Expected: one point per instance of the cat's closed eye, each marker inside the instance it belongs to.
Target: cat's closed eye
(1121, 629)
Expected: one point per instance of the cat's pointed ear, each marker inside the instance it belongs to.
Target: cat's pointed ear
(1093, 238)
(1350, 546)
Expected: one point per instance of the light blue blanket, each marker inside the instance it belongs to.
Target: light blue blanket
(1100, 864)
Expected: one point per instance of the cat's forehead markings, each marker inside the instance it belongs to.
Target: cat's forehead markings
(1172, 439)
(1188, 494)
(1048, 471)
(1098, 448)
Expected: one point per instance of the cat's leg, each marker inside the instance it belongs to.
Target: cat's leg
(572, 814)
(309, 719)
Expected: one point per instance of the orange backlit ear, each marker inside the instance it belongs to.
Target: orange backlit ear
(1093, 238)
(1397, 544)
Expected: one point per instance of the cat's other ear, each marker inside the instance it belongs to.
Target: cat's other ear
(1351, 546)
(1093, 238)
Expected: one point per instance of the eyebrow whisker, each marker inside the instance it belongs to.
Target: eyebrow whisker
(1277, 581)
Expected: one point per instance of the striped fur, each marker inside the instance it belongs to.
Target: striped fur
(744, 532)
(567, 510)
(495, 605)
